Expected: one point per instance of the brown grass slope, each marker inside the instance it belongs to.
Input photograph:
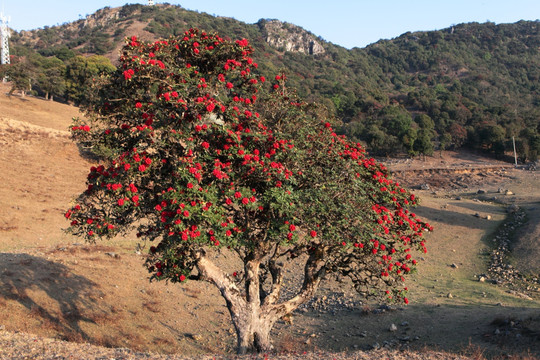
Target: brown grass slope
(55, 287)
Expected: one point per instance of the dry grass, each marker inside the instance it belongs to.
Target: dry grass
(52, 285)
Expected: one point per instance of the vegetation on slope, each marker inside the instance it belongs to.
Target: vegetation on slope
(470, 85)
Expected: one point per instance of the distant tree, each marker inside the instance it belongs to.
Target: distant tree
(408, 141)
(205, 160)
(80, 72)
(21, 74)
(52, 77)
(444, 142)
(491, 137)
(458, 134)
(423, 143)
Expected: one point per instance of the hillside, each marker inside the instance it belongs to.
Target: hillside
(54, 286)
(472, 85)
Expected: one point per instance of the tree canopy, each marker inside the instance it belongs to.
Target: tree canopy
(204, 156)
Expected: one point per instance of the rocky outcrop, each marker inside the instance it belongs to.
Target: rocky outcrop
(102, 17)
(288, 37)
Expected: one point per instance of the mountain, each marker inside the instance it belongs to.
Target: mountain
(471, 85)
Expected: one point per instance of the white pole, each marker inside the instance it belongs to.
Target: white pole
(515, 155)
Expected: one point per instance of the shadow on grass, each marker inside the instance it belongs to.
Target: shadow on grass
(43, 286)
(453, 218)
(480, 207)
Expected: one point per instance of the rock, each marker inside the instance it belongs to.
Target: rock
(290, 37)
(481, 191)
(450, 296)
(481, 279)
(424, 187)
(487, 217)
(512, 209)
(477, 215)
(113, 255)
(393, 328)
(405, 323)
(196, 337)
(458, 197)
(508, 192)
(454, 266)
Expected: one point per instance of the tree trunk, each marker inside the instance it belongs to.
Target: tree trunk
(252, 318)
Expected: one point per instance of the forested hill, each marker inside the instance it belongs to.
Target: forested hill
(471, 85)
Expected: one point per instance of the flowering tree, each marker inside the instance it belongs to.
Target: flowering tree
(204, 157)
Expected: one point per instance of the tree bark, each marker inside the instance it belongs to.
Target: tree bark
(252, 318)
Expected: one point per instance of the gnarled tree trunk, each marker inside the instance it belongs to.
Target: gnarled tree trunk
(254, 317)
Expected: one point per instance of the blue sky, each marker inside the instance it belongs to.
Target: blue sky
(348, 23)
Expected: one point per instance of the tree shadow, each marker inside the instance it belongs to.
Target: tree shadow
(450, 217)
(481, 156)
(463, 329)
(51, 293)
(479, 207)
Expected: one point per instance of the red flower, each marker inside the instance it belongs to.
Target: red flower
(142, 168)
(120, 202)
(292, 227)
(245, 201)
(313, 233)
(182, 277)
(229, 85)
